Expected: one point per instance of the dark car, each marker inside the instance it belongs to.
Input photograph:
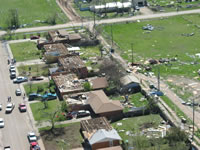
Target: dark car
(82, 113)
(36, 78)
(34, 37)
(33, 96)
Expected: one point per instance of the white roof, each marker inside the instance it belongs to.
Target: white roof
(9, 104)
(129, 79)
(103, 135)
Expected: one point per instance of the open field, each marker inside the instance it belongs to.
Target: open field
(38, 109)
(25, 51)
(172, 37)
(31, 11)
(171, 5)
(65, 136)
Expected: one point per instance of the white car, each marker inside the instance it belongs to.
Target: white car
(12, 67)
(1, 123)
(32, 137)
(10, 107)
(20, 79)
(0, 106)
(18, 92)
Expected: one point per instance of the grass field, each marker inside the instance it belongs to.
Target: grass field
(167, 40)
(38, 109)
(134, 124)
(65, 136)
(30, 11)
(25, 51)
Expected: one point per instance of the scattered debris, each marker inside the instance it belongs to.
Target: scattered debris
(148, 27)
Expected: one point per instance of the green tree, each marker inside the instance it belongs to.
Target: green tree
(64, 107)
(52, 19)
(13, 19)
(87, 86)
(176, 135)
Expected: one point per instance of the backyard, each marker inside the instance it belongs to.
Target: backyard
(65, 136)
(38, 12)
(25, 51)
(172, 37)
(135, 125)
(137, 99)
(36, 70)
(90, 56)
(38, 109)
(39, 88)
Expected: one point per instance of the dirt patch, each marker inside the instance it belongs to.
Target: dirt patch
(189, 88)
(67, 138)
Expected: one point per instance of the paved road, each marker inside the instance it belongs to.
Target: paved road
(104, 21)
(17, 124)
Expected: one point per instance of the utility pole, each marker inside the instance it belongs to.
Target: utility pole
(193, 121)
(132, 54)
(158, 78)
(94, 21)
(111, 32)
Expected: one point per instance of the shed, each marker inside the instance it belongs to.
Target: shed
(130, 84)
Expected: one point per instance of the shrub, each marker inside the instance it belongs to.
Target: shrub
(87, 86)
(40, 89)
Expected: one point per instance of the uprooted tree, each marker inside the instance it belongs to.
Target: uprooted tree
(112, 70)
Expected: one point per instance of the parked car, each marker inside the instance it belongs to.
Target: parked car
(20, 79)
(71, 115)
(7, 148)
(34, 146)
(49, 96)
(158, 93)
(12, 68)
(33, 96)
(22, 107)
(2, 123)
(0, 106)
(10, 107)
(18, 92)
(36, 78)
(32, 137)
(12, 75)
(82, 113)
(34, 37)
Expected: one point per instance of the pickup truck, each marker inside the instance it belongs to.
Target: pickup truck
(36, 78)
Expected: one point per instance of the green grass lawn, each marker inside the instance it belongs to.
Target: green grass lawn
(36, 70)
(25, 51)
(137, 99)
(167, 40)
(31, 10)
(38, 109)
(33, 88)
(65, 136)
(178, 111)
(134, 124)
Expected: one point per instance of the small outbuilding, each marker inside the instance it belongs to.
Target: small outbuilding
(130, 84)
